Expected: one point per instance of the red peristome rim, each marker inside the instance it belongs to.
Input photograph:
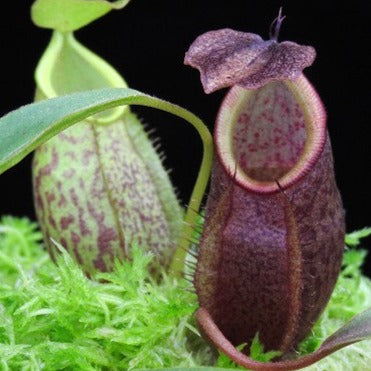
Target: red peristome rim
(315, 121)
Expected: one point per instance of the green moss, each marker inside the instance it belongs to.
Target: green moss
(52, 317)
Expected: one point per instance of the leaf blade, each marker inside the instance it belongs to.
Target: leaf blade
(47, 118)
(357, 329)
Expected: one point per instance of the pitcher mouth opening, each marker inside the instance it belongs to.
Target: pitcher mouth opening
(269, 138)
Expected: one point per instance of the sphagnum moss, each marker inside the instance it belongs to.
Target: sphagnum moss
(52, 317)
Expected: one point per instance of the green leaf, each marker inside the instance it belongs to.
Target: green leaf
(23, 130)
(70, 15)
(357, 329)
(353, 239)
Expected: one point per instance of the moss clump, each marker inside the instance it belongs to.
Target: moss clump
(52, 317)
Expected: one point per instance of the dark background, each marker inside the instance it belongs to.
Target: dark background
(146, 42)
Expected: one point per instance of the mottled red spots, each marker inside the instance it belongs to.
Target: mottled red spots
(298, 112)
(277, 126)
(145, 218)
(38, 201)
(243, 119)
(47, 169)
(74, 197)
(97, 190)
(106, 235)
(52, 221)
(299, 125)
(277, 156)
(69, 173)
(50, 197)
(98, 158)
(75, 238)
(68, 138)
(66, 221)
(277, 130)
(71, 155)
(252, 147)
(82, 224)
(81, 183)
(284, 108)
(62, 201)
(86, 156)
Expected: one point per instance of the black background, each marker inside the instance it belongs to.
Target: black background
(146, 42)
